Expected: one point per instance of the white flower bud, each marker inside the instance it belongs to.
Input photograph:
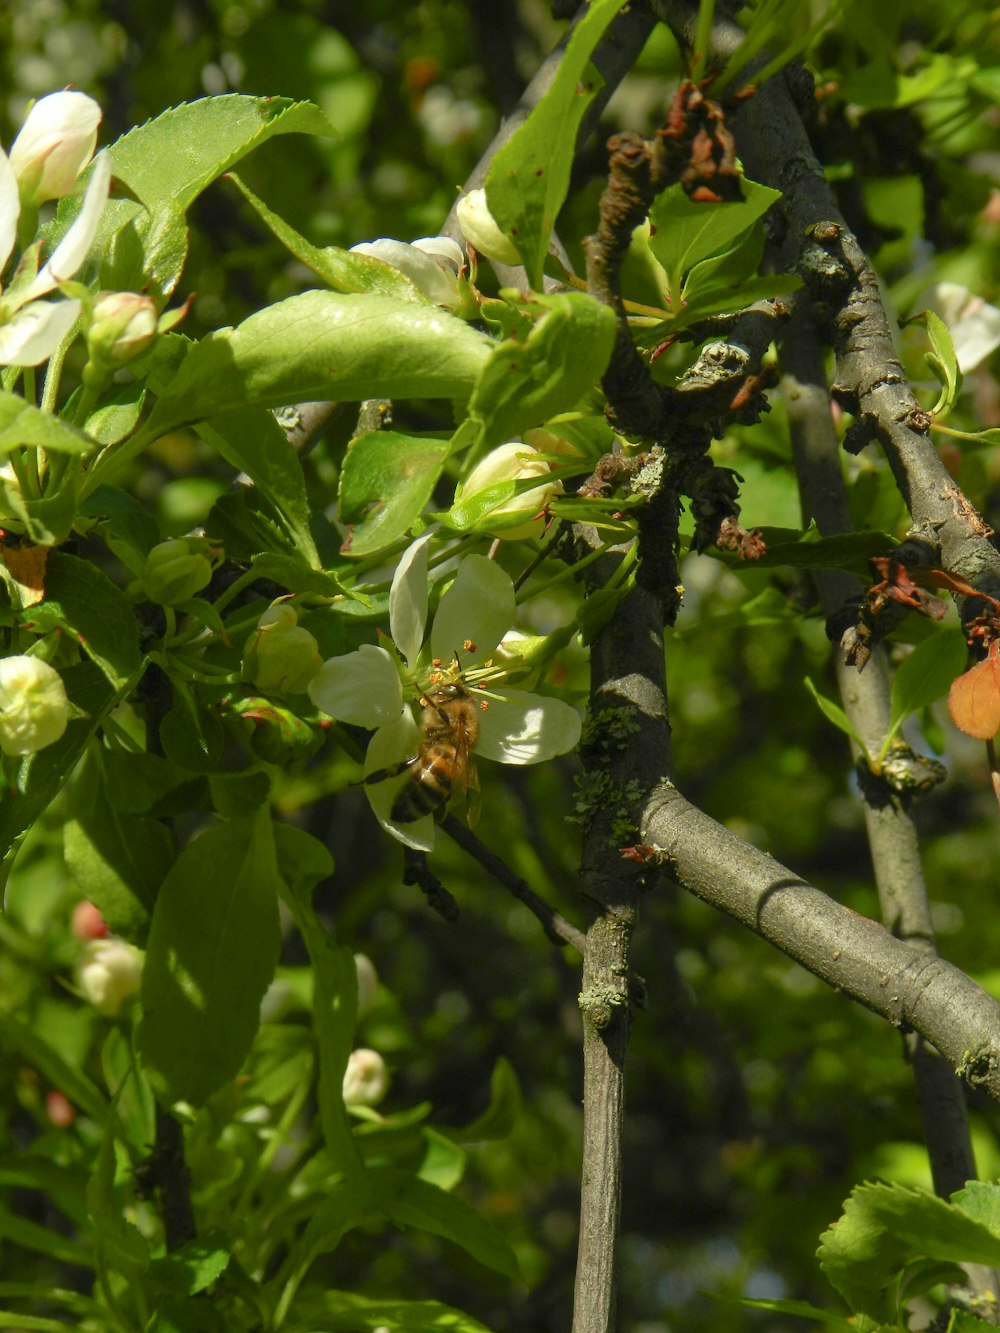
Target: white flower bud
(432, 264)
(367, 983)
(366, 1078)
(109, 973)
(479, 227)
(55, 144)
(511, 462)
(34, 708)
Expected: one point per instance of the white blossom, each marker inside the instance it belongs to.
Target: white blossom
(377, 688)
(32, 329)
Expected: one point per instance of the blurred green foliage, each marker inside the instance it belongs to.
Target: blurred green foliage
(757, 1097)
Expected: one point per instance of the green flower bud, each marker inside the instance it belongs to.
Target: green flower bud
(120, 327)
(34, 708)
(280, 656)
(177, 570)
(278, 736)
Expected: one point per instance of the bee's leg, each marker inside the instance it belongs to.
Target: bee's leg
(394, 771)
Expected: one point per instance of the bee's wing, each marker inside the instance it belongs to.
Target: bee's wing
(466, 773)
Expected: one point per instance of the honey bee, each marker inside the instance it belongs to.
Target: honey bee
(443, 761)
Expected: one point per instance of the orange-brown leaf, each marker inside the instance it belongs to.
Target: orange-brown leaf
(26, 565)
(974, 700)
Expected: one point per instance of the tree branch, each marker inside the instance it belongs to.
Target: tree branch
(892, 836)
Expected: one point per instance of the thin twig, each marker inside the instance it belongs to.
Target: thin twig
(556, 927)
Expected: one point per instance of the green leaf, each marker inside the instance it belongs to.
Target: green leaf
(118, 860)
(529, 177)
(686, 232)
(944, 363)
(22, 423)
(886, 1228)
(409, 1201)
(31, 1236)
(304, 862)
(980, 1199)
(331, 346)
(346, 1204)
(295, 575)
(213, 946)
(529, 379)
(499, 1118)
(148, 251)
(82, 600)
(187, 1314)
(834, 713)
(828, 1318)
(174, 157)
(849, 551)
(344, 1312)
(120, 1246)
(195, 1266)
(250, 440)
(926, 674)
(38, 1054)
(118, 415)
(386, 480)
(342, 270)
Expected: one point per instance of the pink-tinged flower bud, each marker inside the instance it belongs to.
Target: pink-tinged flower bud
(108, 973)
(177, 570)
(366, 1079)
(55, 144)
(88, 924)
(479, 227)
(280, 656)
(121, 326)
(510, 516)
(34, 709)
(367, 983)
(60, 1109)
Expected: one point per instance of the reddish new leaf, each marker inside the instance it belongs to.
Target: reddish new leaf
(974, 699)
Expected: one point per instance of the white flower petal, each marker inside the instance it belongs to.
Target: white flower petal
(525, 728)
(10, 209)
(442, 247)
(36, 331)
(361, 687)
(478, 607)
(55, 143)
(74, 247)
(435, 281)
(408, 600)
(976, 336)
(391, 745)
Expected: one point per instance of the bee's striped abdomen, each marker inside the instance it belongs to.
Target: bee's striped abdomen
(430, 786)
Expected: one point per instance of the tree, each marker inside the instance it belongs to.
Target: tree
(259, 658)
